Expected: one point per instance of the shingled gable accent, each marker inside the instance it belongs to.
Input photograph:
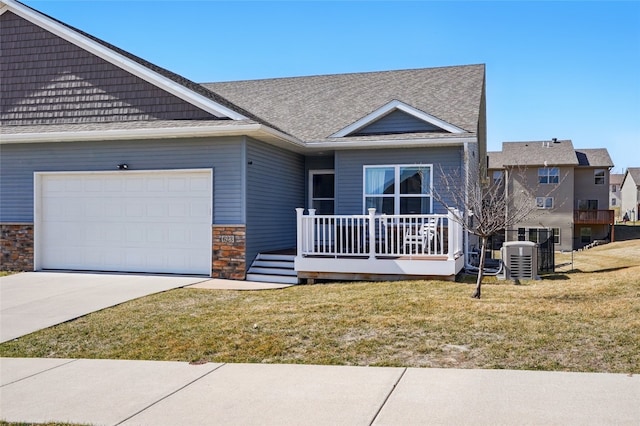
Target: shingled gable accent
(120, 60)
(360, 126)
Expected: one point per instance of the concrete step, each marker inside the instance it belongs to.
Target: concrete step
(276, 257)
(272, 271)
(272, 264)
(264, 278)
(273, 268)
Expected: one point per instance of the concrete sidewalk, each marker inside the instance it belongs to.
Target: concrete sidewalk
(112, 392)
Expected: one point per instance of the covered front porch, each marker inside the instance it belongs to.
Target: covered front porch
(378, 247)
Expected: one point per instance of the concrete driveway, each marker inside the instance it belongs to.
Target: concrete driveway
(31, 301)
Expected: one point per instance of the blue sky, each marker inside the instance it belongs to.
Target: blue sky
(569, 70)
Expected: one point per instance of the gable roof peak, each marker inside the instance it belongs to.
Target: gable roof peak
(166, 80)
(396, 105)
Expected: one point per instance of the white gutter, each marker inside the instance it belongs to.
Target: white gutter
(391, 143)
(152, 133)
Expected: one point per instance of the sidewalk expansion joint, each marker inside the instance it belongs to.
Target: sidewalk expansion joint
(170, 394)
(393, 388)
(39, 372)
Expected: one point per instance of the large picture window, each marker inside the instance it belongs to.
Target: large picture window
(398, 189)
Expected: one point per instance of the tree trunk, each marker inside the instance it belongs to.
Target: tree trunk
(478, 291)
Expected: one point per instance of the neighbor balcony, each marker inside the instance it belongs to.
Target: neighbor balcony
(371, 246)
(593, 217)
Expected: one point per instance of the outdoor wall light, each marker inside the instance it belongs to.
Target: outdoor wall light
(123, 166)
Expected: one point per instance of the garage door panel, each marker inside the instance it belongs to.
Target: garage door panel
(156, 221)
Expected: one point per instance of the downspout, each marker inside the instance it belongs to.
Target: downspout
(465, 163)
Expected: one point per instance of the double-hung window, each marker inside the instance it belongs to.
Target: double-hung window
(599, 176)
(544, 202)
(548, 175)
(398, 189)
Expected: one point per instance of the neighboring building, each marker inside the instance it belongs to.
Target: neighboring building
(111, 163)
(630, 193)
(615, 194)
(569, 187)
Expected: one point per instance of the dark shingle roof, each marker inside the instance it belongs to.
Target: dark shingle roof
(535, 153)
(615, 178)
(634, 172)
(313, 108)
(549, 153)
(598, 157)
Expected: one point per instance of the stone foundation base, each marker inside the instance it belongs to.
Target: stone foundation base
(229, 252)
(16, 247)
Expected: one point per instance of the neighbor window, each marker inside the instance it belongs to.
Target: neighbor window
(613, 201)
(585, 235)
(614, 188)
(548, 175)
(544, 202)
(599, 176)
(498, 175)
(539, 235)
(587, 204)
(398, 189)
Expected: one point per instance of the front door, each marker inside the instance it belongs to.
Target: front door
(322, 191)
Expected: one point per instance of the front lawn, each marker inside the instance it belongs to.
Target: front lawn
(583, 319)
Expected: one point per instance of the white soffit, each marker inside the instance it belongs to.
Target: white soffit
(119, 60)
(396, 105)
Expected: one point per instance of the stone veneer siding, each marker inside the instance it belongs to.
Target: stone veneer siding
(16, 247)
(229, 252)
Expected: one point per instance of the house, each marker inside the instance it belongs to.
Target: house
(111, 163)
(630, 193)
(570, 188)
(615, 195)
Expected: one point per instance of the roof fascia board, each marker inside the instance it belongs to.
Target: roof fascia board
(122, 61)
(393, 105)
(396, 143)
(157, 133)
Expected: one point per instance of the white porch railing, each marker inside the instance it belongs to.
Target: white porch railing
(379, 236)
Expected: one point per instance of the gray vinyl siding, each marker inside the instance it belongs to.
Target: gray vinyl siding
(585, 187)
(398, 122)
(18, 162)
(47, 80)
(349, 171)
(275, 188)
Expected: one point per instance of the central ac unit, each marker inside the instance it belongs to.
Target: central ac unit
(520, 260)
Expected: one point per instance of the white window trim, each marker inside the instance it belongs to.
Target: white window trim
(396, 186)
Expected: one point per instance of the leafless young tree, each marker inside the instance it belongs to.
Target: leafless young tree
(486, 206)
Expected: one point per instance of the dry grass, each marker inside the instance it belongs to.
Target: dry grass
(585, 319)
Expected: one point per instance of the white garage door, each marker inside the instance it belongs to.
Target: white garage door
(129, 221)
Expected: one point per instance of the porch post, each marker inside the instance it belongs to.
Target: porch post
(299, 238)
(452, 235)
(372, 233)
(311, 232)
